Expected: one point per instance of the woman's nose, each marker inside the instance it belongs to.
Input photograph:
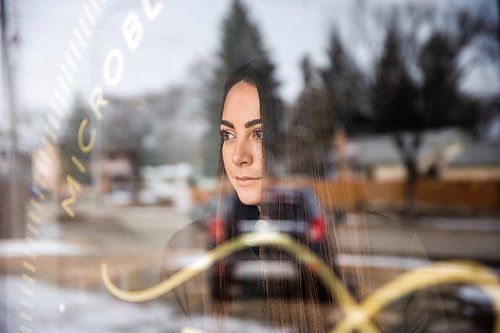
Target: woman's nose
(242, 153)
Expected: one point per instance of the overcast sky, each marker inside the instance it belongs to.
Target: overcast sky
(185, 33)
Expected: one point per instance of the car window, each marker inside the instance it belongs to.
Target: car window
(285, 211)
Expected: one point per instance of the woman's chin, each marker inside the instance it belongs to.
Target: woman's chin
(250, 198)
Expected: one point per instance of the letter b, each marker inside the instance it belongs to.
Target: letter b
(132, 30)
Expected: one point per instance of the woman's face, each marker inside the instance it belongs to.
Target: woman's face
(242, 133)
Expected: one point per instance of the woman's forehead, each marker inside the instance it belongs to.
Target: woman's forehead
(242, 104)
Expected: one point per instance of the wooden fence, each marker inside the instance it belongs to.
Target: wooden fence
(467, 196)
(446, 195)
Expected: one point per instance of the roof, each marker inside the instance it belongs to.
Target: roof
(381, 149)
(479, 154)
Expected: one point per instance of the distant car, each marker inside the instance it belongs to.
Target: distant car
(294, 212)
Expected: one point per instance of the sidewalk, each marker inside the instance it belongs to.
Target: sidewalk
(429, 237)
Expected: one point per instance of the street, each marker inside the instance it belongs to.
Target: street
(69, 295)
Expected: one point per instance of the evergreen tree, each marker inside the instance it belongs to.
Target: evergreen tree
(442, 101)
(344, 87)
(312, 127)
(241, 40)
(241, 43)
(393, 93)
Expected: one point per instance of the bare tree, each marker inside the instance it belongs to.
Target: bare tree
(417, 79)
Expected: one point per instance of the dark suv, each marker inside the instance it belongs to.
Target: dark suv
(264, 270)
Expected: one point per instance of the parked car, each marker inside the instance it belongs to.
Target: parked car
(265, 270)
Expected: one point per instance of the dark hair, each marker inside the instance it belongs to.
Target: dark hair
(259, 74)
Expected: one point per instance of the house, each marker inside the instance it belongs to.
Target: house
(46, 168)
(168, 184)
(377, 157)
(478, 161)
(119, 179)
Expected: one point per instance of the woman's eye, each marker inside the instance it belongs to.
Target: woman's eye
(259, 133)
(225, 135)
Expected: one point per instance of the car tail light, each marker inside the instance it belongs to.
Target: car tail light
(220, 268)
(317, 229)
(217, 230)
(312, 267)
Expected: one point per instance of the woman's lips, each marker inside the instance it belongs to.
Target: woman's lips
(245, 181)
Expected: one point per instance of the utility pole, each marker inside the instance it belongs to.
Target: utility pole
(13, 221)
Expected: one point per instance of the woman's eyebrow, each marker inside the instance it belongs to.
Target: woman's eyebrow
(247, 124)
(253, 123)
(227, 123)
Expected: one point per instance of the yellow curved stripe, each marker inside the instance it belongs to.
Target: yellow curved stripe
(335, 286)
(357, 316)
(447, 272)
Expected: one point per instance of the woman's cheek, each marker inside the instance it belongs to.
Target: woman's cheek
(259, 159)
(226, 159)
